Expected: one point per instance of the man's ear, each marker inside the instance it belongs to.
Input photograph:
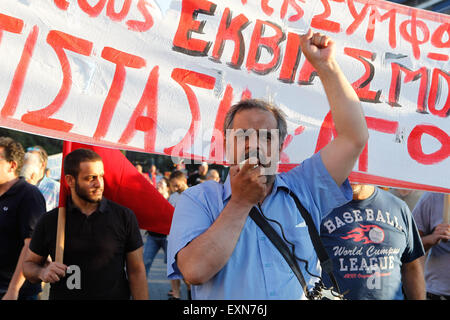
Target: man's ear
(13, 166)
(70, 180)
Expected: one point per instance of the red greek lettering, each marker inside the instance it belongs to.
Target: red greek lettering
(358, 18)
(295, 6)
(362, 85)
(246, 94)
(271, 44)
(435, 92)
(265, 7)
(217, 139)
(14, 25)
(141, 26)
(291, 58)
(307, 74)
(327, 132)
(145, 123)
(59, 41)
(183, 41)
(121, 60)
(412, 35)
(437, 56)
(320, 21)
(185, 78)
(62, 4)
(395, 87)
(117, 16)
(230, 29)
(415, 149)
(374, 17)
(437, 39)
(10, 24)
(19, 76)
(284, 157)
(380, 125)
(92, 11)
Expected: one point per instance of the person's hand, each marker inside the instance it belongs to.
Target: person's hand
(318, 49)
(53, 272)
(440, 232)
(248, 184)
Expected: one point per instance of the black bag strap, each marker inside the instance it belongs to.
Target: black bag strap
(325, 261)
(280, 245)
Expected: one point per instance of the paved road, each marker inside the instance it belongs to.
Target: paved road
(158, 284)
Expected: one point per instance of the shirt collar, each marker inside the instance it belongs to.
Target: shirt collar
(15, 187)
(101, 208)
(279, 182)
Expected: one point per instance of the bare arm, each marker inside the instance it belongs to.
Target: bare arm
(440, 233)
(204, 256)
(18, 278)
(413, 280)
(37, 268)
(340, 155)
(136, 275)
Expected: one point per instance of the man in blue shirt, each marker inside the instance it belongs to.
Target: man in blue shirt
(216, 246)
(33, 171)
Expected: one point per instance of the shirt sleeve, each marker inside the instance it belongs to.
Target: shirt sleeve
(38, 243)
(422, 213)
(312, 182)
(134, 239)
(414, 247)
(190, 219)
(31, 208)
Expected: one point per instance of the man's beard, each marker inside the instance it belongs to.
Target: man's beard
(83, 194)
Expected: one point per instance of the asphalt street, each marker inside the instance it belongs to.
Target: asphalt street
(158, 284)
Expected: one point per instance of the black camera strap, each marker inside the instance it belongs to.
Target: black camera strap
(325, 261)
(280, 245)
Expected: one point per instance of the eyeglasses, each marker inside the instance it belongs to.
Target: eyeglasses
(29, 149)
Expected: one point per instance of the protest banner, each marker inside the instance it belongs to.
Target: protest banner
(124, 74)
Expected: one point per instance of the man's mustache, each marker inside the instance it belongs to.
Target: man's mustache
(262, 160)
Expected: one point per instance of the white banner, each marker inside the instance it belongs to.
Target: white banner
(126, 74)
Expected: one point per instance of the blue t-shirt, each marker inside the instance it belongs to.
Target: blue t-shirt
(368, 241)
(256, 269)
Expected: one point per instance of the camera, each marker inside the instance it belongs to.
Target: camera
(320, 292)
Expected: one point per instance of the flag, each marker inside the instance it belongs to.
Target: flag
(127, 187)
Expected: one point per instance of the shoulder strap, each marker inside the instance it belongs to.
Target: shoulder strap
(325, 261)
(280, 245)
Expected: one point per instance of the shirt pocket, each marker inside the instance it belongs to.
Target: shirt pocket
(300, 241)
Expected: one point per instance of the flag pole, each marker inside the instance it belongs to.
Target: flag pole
(61, 227)
(60, 235)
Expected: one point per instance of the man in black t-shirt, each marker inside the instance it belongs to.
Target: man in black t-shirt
(21, 205)
(101, 239)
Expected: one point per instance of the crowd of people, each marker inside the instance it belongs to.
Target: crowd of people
(378, 244)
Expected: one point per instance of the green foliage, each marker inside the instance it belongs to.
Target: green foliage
(52, 146)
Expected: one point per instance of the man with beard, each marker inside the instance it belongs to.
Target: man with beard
(216, 246)
(101, 239)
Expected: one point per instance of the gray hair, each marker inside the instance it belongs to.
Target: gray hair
(248, 104)
(31, 166)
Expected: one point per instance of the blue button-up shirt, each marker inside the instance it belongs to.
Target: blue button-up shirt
(50, 190)
(256, 269)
